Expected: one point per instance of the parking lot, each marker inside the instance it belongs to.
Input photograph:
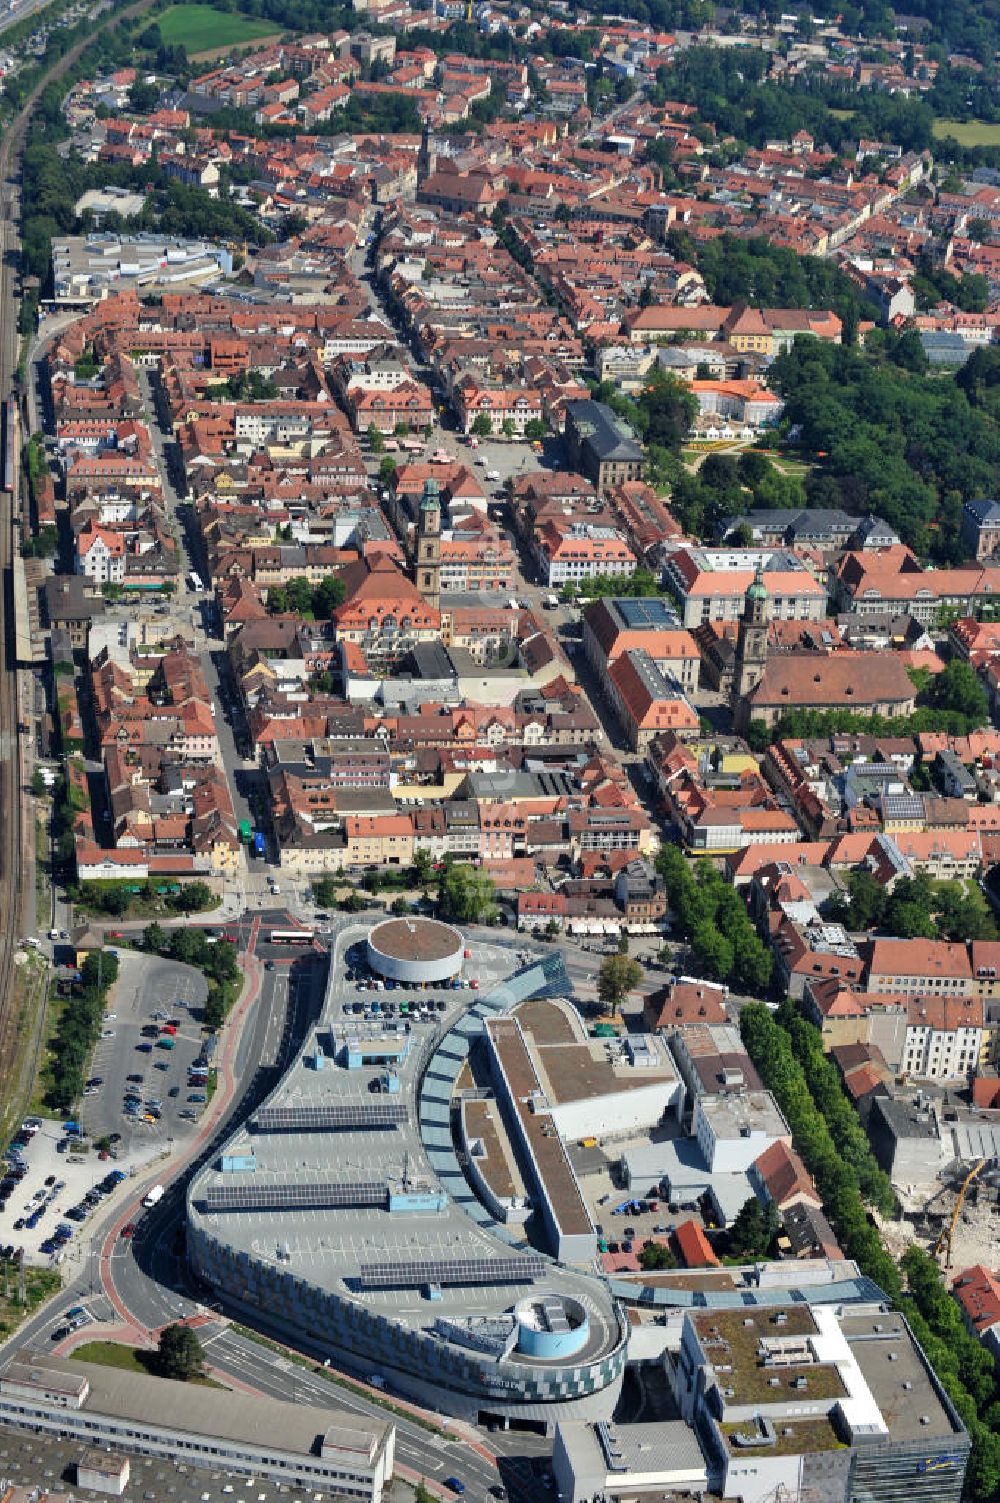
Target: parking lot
(146, 1066)
(623, 1218)
(54, 1181)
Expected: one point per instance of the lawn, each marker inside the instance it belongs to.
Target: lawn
(969, 132)
(130, 1359)
(200, 28)
(115, 1354)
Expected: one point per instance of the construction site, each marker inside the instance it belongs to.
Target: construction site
(957, 1220)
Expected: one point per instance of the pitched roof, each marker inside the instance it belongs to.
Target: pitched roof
(918, 957)
(686, 1001)
(785, 1176)
(977, 1290)
(841, 678)
(694, 1247)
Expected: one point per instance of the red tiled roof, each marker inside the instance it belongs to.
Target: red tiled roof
(694, 1247)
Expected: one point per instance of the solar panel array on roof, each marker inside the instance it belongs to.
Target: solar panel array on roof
(321, 1196)
(645, 613)
(902, 805)
(318, 1118)
(401, 1275)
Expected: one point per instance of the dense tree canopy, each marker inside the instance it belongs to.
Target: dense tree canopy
(979, 379)
(725, 487)
(306, 599)
(934, 284)
(757, 271)
(962, 1363)
(827, 1133)
(908, 447)
(916, 907)
(711, 916)
(78, 1029)
(729, 88)
(753, 1230)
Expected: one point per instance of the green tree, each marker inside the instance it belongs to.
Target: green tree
(299, 593)
(194, 896)
(213, 1013)
(666, 409)
(184, 945)
(653, 1255)
(534, 430)
(482, 425)
(753, 1230)
(387, 470)
(328, 594)
(143, 97)
(375, 440)
(179, 1353)
(957, 688)
(713, 949)
(863, 904)
(324, 891)
(466, 894)
(752, 959)
(618, 975)
(423, 867)
(154, 938)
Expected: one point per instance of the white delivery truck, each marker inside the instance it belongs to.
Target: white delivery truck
(153, 1196)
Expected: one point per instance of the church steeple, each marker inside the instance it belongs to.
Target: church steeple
(429, 544)
(751, 639)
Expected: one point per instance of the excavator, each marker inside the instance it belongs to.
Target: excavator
(943, 1243)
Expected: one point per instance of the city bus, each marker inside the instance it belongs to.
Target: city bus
(291, 937)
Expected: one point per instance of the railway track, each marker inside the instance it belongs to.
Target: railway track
(13, 858)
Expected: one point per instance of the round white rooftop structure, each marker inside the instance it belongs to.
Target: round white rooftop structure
(415, 950)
